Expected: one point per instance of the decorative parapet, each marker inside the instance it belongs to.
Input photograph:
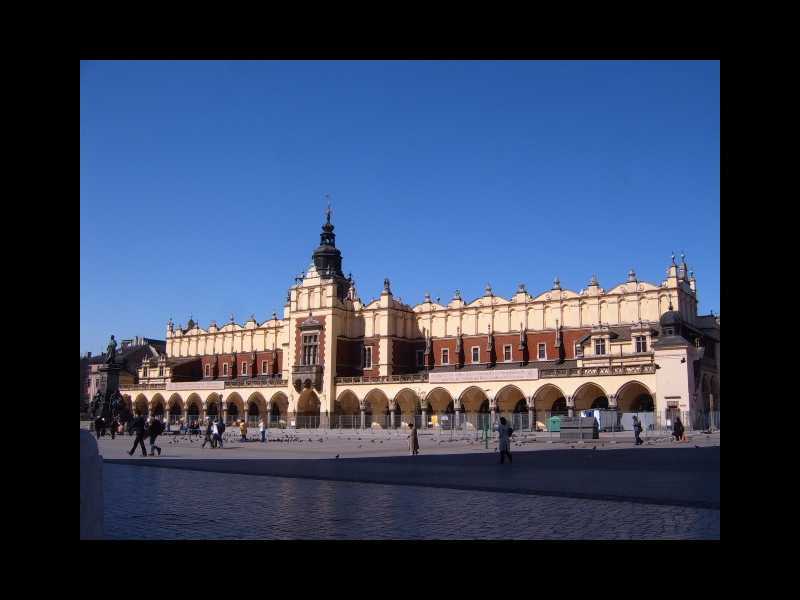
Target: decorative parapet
(186, 386)
(413, 378)
(142, 386)
(493, 375)
(598, 371)
(256, 382)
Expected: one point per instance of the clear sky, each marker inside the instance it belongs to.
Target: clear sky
(203, 183)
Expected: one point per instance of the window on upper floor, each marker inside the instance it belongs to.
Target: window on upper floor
(146, 371)
(310, 346)
(541, 351)
(420, 358)
(445, 356)
(224, 369)
(263, 367)
(507, 353)
(160, 371)
(578, 350)
(244, 368)
(208, 370)
(600, 347)
(641, 343)
(367, 358)
(476, 354)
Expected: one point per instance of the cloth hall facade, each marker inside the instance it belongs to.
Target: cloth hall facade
(332, 359)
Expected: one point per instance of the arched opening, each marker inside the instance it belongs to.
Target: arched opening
(634, 398)
(256, 409)
(157, 407)
(308, 409)
(140, 405)
(175, 405)
(548, 401)
(588, 395)
(279, 410)
(377, 408)
(193, 408)
(511, 405)
(235, 408)
(475, 404)
(346, 411)
(409, 408)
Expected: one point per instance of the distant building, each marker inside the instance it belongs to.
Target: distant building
(130, 354)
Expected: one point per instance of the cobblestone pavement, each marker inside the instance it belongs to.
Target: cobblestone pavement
(184, 504)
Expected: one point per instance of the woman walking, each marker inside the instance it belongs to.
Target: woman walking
(413, 441)
(504, 433)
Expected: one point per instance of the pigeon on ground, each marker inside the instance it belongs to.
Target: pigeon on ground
(697, 446)
(337, 456)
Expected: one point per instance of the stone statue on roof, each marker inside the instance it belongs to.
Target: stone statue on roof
(111, 350)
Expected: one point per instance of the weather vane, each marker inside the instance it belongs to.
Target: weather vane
(328, 211)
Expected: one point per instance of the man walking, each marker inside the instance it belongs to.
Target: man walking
(137, 427)
(637, 430)
(413, 440)
(209, 439)
(219, 426)
(114, 426)
(263, 428)
(156, 428)
(99, 427)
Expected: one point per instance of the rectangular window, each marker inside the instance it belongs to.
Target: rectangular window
(160, 371)
(641, 343)
(420, 358)
(476, 354)
(541, 350)
(600, 347)
(244, 368)
(310, 344)
(224, 369)
(145, 371)
(208, 370)
(507, 353)
(263, 367)
(445, 356)
(578, 350)
(367, 357)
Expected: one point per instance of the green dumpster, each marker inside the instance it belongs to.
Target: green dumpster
(554, 424)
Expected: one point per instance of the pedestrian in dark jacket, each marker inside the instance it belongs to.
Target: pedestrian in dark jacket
(114, 426)
(677, 429)
(220, 430)
(413, 440)
(156, 429)
(209, 435)
(138, 428)
(99, 427)
(637, 430)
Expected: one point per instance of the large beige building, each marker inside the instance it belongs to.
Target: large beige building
(332, 359)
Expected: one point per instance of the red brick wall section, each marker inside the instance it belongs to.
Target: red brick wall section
(348, 357)
(404, 356)
(569, 338)
(188, 371)
(376, 357)
(437, 345)
(299, 341)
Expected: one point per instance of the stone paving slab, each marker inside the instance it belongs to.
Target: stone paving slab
(670, 474)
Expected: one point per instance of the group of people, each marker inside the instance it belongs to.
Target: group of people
(503, 429)
(114, 426)
(141, 429)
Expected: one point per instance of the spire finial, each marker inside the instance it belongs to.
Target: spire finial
(631, 275)
(231, 317)
(488, 289)
(556, 283)
(328, 211)
(673, 257)
(670, 304)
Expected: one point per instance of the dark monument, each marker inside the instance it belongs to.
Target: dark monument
(110, 404)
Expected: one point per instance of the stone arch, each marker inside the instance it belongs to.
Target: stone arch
(194, 407)
(587, 395)
(157, 406)
(214, 405)
(408, 405)
(140, 404)
(256, 406)
(235, 406)
(174, 404)
(439, 400)
(634, 396)
(549, 399)
(377, 402)
(279, 406)
(346, 404)
(509, 398)
(308, 404)
(474, 400)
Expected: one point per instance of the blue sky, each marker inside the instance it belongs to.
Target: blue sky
(202, 183)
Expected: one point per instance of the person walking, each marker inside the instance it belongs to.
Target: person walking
(220, 429)
(263, 428)
(114, 426)
(504, 434)
(677, 430)
(98, 427)
(138, 427)
(155, 429)
(243, 430)
(209, 439)
(413, 440)
(637, 430)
